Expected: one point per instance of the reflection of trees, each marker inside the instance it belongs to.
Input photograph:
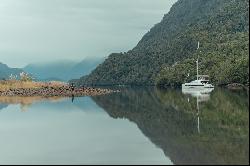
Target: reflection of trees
(26, 102)
(170, 122)
(25, 107)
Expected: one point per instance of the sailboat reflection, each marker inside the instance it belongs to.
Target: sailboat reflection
(201, 95)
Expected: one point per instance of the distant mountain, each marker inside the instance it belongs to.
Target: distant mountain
(6, 71)
(62, 70)
(221, 26)
(53, 70)
(85, 67)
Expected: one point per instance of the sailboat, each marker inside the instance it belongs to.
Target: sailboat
(201, 82)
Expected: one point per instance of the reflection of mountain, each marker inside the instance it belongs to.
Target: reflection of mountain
(83, 104)
(2, 106)
(169, 120)
(86, 104)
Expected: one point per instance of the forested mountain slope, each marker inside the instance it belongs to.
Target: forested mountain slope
(221, 26)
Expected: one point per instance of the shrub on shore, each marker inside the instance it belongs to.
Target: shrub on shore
(24, 84)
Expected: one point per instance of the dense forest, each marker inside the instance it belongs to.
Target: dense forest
(167, 54)
(224, 51)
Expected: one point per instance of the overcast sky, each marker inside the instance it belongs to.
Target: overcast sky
(49, 30)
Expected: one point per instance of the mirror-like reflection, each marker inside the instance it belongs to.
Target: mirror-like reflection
(201, 95)
(204, 129)
(62, 132)
(136, 126)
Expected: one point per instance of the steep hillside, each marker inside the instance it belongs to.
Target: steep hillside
(224, 52)
(175, 38)
(6, 71)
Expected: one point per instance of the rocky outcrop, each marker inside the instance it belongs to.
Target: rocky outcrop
(236, 86)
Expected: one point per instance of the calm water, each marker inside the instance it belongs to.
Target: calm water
(136, 126)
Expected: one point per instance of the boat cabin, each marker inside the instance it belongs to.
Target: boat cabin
(204, 79)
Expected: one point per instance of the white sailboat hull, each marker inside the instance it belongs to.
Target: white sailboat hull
(196, 90)
(197, 86)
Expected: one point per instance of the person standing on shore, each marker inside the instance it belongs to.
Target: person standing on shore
(72, 87)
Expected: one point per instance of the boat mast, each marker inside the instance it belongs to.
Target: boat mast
(198, 114)
(197, 62)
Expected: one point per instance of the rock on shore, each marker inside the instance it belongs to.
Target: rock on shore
(48, 91)
(236, 86)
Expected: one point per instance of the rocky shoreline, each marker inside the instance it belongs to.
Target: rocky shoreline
(237, 86)
(64, 91)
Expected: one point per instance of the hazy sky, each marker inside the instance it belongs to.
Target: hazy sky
(48, 30)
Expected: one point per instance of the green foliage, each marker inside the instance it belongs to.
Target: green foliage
(228, 64)
(224, 52)
(220, 25)
(234, 70)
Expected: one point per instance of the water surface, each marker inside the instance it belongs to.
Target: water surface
(136, 126)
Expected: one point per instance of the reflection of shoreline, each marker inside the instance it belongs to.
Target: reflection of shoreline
(28, 100)
(82, 103)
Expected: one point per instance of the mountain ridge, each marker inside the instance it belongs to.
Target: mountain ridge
(62, 70)
(173, 40)
(6, 71)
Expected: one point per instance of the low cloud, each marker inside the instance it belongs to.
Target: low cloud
(44, 30)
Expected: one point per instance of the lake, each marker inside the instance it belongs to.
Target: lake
(135, 126)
